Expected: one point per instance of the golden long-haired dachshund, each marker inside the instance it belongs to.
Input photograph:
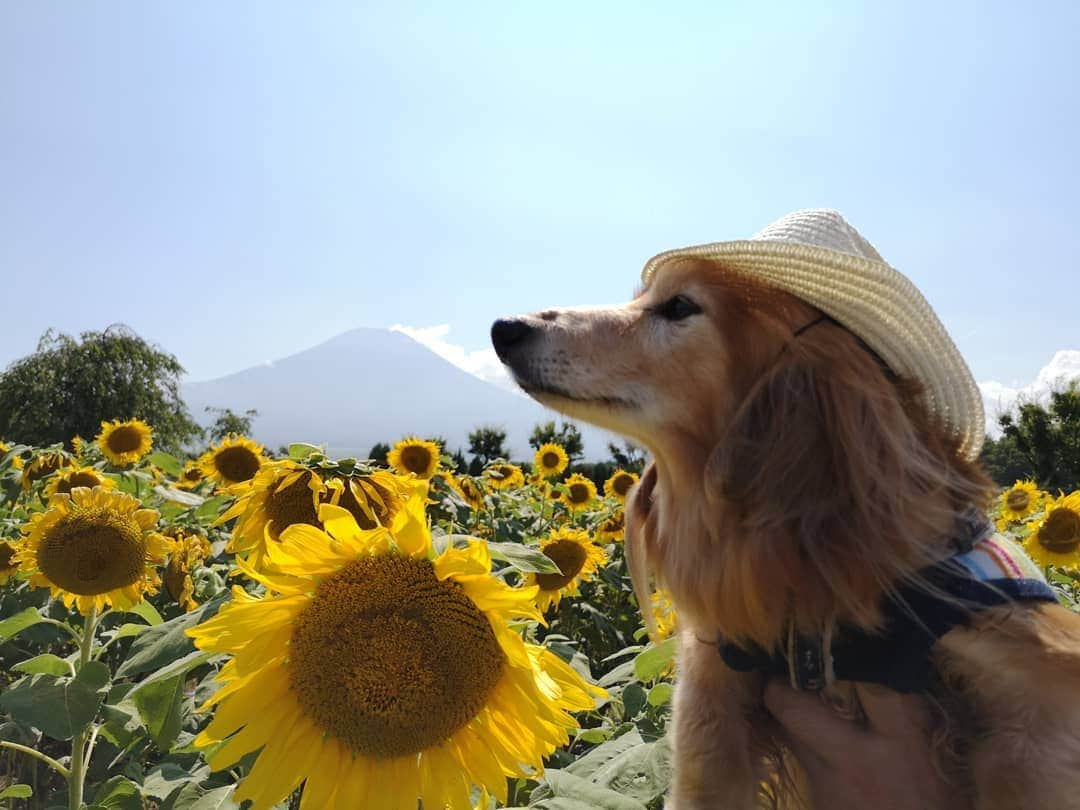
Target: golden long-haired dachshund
(797, 487)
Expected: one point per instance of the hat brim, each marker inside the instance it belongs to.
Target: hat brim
(874, 301)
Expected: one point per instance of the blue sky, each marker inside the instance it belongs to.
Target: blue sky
(238, 181)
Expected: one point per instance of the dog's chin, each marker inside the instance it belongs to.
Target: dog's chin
(606, 412)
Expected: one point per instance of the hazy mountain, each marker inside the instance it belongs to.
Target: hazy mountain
(998, 397)
(368, 386)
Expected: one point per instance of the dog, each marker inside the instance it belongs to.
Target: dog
(795, 482)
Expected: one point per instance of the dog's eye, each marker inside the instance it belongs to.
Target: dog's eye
(677, 308)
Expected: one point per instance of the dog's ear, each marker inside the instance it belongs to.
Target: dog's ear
(641, 540)
(828, 481)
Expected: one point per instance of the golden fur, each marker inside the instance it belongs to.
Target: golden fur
(794, 480)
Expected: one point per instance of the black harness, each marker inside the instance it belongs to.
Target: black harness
(916, 615)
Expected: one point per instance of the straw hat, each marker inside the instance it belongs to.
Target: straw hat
(818, 257)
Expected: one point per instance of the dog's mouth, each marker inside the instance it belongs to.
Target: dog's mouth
(544, 392)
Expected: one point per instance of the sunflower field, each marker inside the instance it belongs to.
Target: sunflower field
(241, 630)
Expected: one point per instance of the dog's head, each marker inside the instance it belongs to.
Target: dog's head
(790, 463)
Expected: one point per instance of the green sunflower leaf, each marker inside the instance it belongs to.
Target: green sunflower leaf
(160, 707)
(19, 622)
(649, 664)
(118, 793)
(166, 642)
(16, 792)
(167, 462)
(523, 558)
(59, 707)
(46, 663)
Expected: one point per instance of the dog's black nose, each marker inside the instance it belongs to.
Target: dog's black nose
(507, 332)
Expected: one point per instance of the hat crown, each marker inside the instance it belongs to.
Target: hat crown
(820, 227)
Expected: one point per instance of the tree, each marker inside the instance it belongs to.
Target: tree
(379, 452)
(486, 444)
(226, 422)
(629, 457)
(567, 435)
(1047, 439)
(68, 387)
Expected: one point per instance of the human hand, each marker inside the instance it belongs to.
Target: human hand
(886, 764)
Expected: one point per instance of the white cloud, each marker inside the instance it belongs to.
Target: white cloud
(482, 363)
(999, 397)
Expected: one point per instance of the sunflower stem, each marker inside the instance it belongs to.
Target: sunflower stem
(83, 743)
(52, 763)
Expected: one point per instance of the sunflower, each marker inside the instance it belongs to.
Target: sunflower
(124, 443)
(580, 492)
(93, 548)
(16, 461)
(1018, 502)
(43, 466)
(187, 553)
(373, 499)
(191, 476)
(234, 460)
(618, 486)
(1056, 538)
(73, 477)
(469, 489)
(612, 530)
(577, 557)
(78, 447)
(416, 456)
(504, 476)
(664, 614)
(8, 566)
(378, 673)
(551, 460)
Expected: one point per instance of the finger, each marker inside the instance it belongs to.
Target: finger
(893, 714)
(810, 724)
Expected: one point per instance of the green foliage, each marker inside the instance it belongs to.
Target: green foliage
(486, 444)
(67, 387)
(228, 423)
(379, 453)
(567, 435)
(629, 457)
(1042, 442)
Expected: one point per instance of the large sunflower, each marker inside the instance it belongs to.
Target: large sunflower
(577, 557)
(1056, 538)
(379, 674)
(93, 548)
(580, 492)
(234, 460)
(124, 443)
(42, 466)
(416, 456)
(8, 566)
(1018, 502)
(504, 476)
(72, 477)
(551, 460)
(618, 486)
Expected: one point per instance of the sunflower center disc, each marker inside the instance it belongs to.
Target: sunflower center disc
(44, 466)
(1017, 500)
(569, 556)
(93, 551)
(384, 512)
(125, 439)
(550, 460)
(622, 484)
(390, 660)
(236, 464)
(293, 504)
(7, 553)
(416, 459)
(1061, 531)
(79, 479)
(579, 493)
(191, 475)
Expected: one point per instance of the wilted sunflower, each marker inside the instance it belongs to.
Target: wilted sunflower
(72, 477)
(93, 548)
(1056, 537)
(577, 557)
(619, 485)
(416, 456)
(612, 530)
(8, 567)
(78, 447)
(373, 499)
(16, 461)
(470, 491)
(124, 443)
(234, 460)
(504, 476)
(188, 551)
(1017, 502)
(379, 674)
(550, 460)
(190, 477)
(580, 492)
(43, 466)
